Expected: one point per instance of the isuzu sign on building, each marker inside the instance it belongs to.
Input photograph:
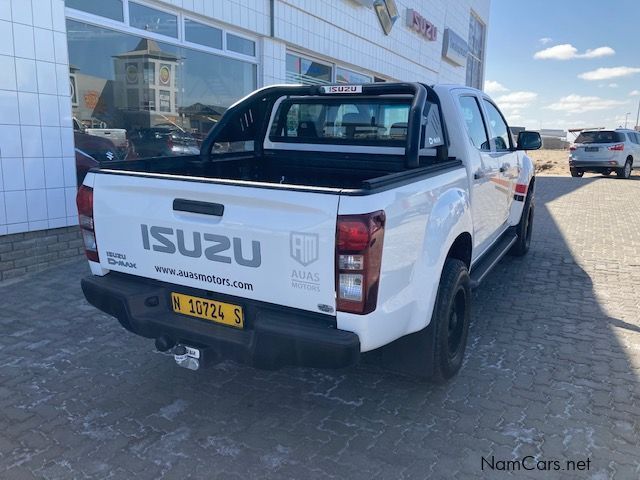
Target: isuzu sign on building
(424, 27)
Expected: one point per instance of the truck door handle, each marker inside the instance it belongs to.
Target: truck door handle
(194, 206)
(478, 175)
(504, 168)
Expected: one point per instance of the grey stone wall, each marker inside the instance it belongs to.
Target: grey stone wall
(21, 253)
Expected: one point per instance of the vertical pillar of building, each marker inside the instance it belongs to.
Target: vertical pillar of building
(38, 181)
(273, 62)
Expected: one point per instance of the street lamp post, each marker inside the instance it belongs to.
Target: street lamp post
(626, 119)
(638, 117)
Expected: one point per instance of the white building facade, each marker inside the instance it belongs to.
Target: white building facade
(116, 78)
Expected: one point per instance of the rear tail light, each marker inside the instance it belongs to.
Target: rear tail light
(84, 201)
(358, 257)
(618, 147)
(521, 188)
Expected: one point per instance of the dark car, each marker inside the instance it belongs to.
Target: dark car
(164, 140)
(101, 149)
(84, 163)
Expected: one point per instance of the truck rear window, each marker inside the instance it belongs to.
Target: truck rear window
(351, 121)
(601, 136)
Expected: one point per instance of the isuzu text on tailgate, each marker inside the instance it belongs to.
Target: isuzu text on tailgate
(316, 224)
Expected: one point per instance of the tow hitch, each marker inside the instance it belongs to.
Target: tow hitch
(187, 357)
(184, 355)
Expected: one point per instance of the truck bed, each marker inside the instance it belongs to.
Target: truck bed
(326, 169)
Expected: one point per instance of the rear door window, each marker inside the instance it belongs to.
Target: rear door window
(474, 122)
(601, 136)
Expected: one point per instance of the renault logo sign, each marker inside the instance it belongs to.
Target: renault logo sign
(387, 13)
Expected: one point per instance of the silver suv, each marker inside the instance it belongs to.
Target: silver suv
(605, 151)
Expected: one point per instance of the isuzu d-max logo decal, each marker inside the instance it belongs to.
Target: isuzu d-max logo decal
(303, 247)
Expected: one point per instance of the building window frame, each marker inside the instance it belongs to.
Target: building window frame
(476, 56)
(180, 41)
(335, 66)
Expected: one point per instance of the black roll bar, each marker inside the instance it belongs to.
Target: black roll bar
(269, 94)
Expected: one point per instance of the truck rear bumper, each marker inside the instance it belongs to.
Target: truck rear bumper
(273, 336)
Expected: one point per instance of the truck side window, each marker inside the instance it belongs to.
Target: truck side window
(474, 122)
(498, 127)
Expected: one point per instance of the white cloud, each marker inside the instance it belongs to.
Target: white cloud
(579, 104)
(491, 86)
(512, 103)
(545, 40)
(634, 93)
(613, 85)
(517, 97)
(566, 51)
(598, 52)
(609, 73)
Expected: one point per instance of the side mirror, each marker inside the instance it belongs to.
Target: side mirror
(529, 141)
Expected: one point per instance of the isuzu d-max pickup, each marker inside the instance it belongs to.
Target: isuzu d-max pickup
(316, 224)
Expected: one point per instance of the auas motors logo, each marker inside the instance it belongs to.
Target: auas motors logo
(304, 249)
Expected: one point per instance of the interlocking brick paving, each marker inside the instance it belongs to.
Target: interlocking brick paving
(552, 371)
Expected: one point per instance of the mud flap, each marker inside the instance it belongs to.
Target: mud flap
(410, 355)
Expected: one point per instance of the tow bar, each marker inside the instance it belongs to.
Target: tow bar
(187, 357)
(184, 355)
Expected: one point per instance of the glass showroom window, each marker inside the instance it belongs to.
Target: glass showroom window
(196, 32)
(140, 98)
(152, 20)
(105, 8)
(344, 75)
(475, 57)
(307, 72)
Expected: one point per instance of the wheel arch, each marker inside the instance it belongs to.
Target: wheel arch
(462, 248)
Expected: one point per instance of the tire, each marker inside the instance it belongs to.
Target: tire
(625, 172)
(576, 172)
(451, 318)
(606, 173)
(524, 229)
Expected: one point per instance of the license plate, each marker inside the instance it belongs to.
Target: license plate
(591, 149)
(219, 312)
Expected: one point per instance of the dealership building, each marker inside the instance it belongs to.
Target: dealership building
(124, 79)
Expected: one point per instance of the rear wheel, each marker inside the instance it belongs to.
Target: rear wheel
(524, 229)
(451, 317)
(575, 172)
(606, 173)
(625, 172)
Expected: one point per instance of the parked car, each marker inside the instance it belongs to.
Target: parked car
(357, 219)
(164, 140)
(605, 151)
(84, 163)
(103, 144)
(101, 149)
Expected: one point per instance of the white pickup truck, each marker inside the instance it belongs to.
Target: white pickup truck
(317, 223)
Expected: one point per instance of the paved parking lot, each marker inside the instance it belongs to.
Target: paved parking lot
(552, 371)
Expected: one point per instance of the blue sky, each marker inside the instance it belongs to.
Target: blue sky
(564, 63)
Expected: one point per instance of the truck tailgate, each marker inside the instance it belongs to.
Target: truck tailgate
(266, 244)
